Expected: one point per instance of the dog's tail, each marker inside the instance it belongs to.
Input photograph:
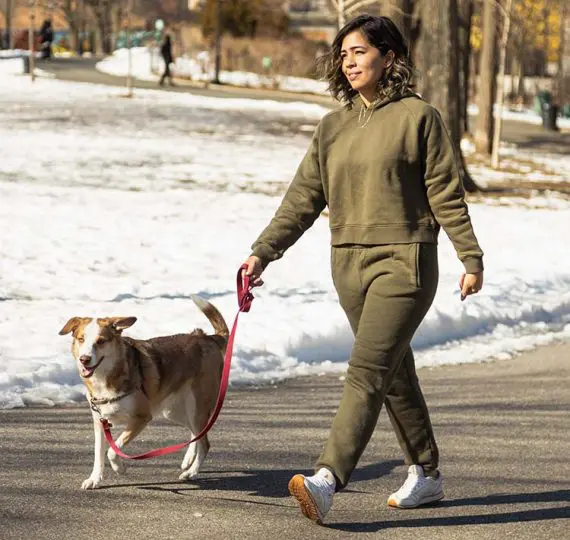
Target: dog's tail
(214, 316)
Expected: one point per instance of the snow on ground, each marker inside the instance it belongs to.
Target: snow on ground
(144, 59)
(147, 62)
(114, 206)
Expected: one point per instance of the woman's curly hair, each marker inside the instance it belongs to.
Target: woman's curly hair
(381, 33)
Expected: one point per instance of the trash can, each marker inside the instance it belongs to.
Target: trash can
(26, 60)
(549, 113)
(542, 98)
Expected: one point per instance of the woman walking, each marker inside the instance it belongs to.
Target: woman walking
(168, 58)
(384, 165)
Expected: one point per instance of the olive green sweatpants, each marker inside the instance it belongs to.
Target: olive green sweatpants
(385, 292)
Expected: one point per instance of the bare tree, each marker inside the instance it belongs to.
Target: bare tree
(102, 10)
(506, 20)
(438, 61)
(401, 12)
(465, 23)
(7, 8)
(563, 79)
(487, 81)
(71, 13)
(348, 8)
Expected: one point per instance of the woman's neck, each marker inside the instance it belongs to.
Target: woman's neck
(367, 98)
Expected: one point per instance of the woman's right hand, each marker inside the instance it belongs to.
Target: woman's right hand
(253, 271)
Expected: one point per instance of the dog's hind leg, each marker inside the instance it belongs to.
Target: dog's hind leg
(178, 409)
(197, 451)
(134, 426)
(99, 461)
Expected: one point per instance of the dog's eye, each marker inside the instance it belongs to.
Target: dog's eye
(101, 341)
(80, 339)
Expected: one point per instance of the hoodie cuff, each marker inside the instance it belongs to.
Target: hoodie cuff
(265, 254)
(473, 265)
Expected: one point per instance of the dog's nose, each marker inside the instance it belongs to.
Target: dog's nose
(85, 359)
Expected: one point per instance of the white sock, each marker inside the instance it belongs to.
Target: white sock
(327, 476)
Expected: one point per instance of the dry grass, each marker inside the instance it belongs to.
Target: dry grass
(289, 56)
(514, 172)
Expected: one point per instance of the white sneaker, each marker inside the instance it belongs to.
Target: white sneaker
(417, 490)
(314, 493)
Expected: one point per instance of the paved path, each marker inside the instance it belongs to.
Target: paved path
(527, 136)
(84, 70)
(503, 431)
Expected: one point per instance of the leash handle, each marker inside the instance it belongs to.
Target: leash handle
(245, 298)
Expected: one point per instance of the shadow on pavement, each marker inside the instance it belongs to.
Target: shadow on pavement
(257, 482)
(562, 495)
(475, 519)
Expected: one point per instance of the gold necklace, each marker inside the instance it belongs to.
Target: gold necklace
(363, 118)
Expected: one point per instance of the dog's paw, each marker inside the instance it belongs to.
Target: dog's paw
(91, 483)
(116, 464)
(188, 460)
(188, 475)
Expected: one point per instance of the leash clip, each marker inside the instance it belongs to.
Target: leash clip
(104, 422)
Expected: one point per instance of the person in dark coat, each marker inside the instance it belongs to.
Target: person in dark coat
(166, 53)
(46, 38)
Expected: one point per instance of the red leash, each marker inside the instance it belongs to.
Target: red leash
(245, 299)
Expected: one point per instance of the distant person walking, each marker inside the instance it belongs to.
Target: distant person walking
(385, 167)
(46, 38)
(166, 53)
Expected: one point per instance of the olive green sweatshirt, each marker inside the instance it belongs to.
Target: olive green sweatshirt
(388, 176)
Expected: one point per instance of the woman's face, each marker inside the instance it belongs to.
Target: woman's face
(362, 64)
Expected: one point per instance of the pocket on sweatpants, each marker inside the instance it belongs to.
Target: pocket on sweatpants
(425, 265)
(415, 259)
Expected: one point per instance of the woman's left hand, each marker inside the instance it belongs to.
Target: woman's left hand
(470, 284)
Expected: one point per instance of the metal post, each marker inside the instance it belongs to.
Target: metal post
(218, 44)
(129, 46)
(31, 40)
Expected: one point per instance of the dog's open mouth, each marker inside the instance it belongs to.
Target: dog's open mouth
(87, 371)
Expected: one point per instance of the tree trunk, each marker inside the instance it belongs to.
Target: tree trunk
(466, 15)
(400, 11)
(70, 12)
(10, 5)
(501, 85)
(564, 56)
(487, 81)
(438, 61)
(102, 11)
(520, 93)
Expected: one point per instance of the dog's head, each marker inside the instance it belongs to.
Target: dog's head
(94, 340)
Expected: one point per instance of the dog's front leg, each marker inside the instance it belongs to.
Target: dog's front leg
(134, 426)
(99, 460)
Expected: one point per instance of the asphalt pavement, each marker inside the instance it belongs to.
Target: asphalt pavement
(502, 428)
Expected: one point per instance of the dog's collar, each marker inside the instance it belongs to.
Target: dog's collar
(95, 402)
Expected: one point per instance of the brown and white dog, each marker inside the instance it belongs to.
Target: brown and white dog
(130, 381)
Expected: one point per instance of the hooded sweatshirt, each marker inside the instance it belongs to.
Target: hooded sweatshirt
(388, 177)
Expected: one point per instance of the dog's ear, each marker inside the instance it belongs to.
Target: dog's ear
(72, 324)
(119, 323)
